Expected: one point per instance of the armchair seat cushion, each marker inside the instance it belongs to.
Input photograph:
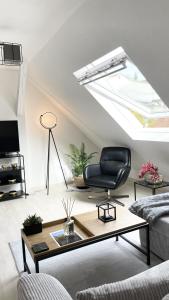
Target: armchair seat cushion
(102, 181)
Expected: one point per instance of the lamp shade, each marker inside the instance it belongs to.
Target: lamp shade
(48, 120)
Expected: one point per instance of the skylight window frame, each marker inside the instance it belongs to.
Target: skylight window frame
(102, 73)
(140, 132)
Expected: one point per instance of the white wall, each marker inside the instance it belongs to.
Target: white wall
(9, 80)
(36, 139)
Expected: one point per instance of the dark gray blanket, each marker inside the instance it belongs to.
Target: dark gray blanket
(151, 208)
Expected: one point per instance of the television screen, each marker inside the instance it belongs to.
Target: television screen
(9, 137)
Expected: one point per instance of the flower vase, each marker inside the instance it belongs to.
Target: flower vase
(69, 227)
(148, 178)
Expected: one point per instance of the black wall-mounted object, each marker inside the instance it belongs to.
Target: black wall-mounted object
(10, 54)
(9, 137)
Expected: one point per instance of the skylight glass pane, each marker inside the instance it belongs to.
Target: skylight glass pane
(115, 77)
(134, 91)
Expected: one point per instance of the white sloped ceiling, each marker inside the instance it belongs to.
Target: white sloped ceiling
(33, 22)
(94, 29)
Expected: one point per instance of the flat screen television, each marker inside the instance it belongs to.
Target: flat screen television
(9, 137)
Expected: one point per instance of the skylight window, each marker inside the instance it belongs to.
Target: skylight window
(118, 85)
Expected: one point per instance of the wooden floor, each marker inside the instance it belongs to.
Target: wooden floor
(13, 213)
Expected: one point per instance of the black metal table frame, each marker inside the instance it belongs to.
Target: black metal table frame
(149, 186)
(89, 242)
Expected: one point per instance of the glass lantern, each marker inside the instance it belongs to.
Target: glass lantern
(106, 212)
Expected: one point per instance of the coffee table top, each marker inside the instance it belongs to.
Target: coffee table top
(125, 220)
(88, 226)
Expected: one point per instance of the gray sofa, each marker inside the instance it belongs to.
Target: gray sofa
(159, 231)
(152, 284)
(159, 238)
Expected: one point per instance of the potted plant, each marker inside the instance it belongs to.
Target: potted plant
(150, 173)
(79, 160)
(32, 224)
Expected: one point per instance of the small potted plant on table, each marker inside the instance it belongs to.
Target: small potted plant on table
(32, 224)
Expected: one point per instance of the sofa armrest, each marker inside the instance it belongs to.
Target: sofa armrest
(41, 287)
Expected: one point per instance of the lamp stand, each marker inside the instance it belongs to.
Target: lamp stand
(50, 134)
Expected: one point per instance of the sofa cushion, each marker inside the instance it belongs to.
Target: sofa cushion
(41, 287)
(150, 285)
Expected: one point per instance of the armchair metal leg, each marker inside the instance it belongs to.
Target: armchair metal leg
(120, 196)
(114, 198)
(110, 198)
(117, 202)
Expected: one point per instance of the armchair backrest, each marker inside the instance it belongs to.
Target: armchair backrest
(113, 159)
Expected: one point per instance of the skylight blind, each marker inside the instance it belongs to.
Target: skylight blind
(97, 70)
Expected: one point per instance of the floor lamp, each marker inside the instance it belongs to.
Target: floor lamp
(49, 121)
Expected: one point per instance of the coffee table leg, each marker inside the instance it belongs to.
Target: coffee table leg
(148, 244)
(37, 266)
(117, 238)
(153, 191)
(134, 191)
(26, 268)
(24, 255)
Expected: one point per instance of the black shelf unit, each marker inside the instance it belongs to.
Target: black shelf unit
(12, 171)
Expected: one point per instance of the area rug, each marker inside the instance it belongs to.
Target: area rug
(100, 263)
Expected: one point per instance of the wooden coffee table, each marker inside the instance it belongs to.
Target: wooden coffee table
(90, 229)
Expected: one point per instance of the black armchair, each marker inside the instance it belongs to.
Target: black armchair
(112, 171)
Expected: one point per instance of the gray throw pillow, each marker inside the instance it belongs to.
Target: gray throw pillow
(134, 289)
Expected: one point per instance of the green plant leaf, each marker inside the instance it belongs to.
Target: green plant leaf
(32, 219)
(79, 158)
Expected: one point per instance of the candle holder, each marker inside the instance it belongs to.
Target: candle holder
(104, 212)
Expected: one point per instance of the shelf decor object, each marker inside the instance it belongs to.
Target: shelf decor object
(104, 212)
(13, 193)
(49, 121)
(1, 195)
(14, 166)
(69, 224)
(10, 54)
(12, 180)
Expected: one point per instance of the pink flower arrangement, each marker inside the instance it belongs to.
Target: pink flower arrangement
(149, 168)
